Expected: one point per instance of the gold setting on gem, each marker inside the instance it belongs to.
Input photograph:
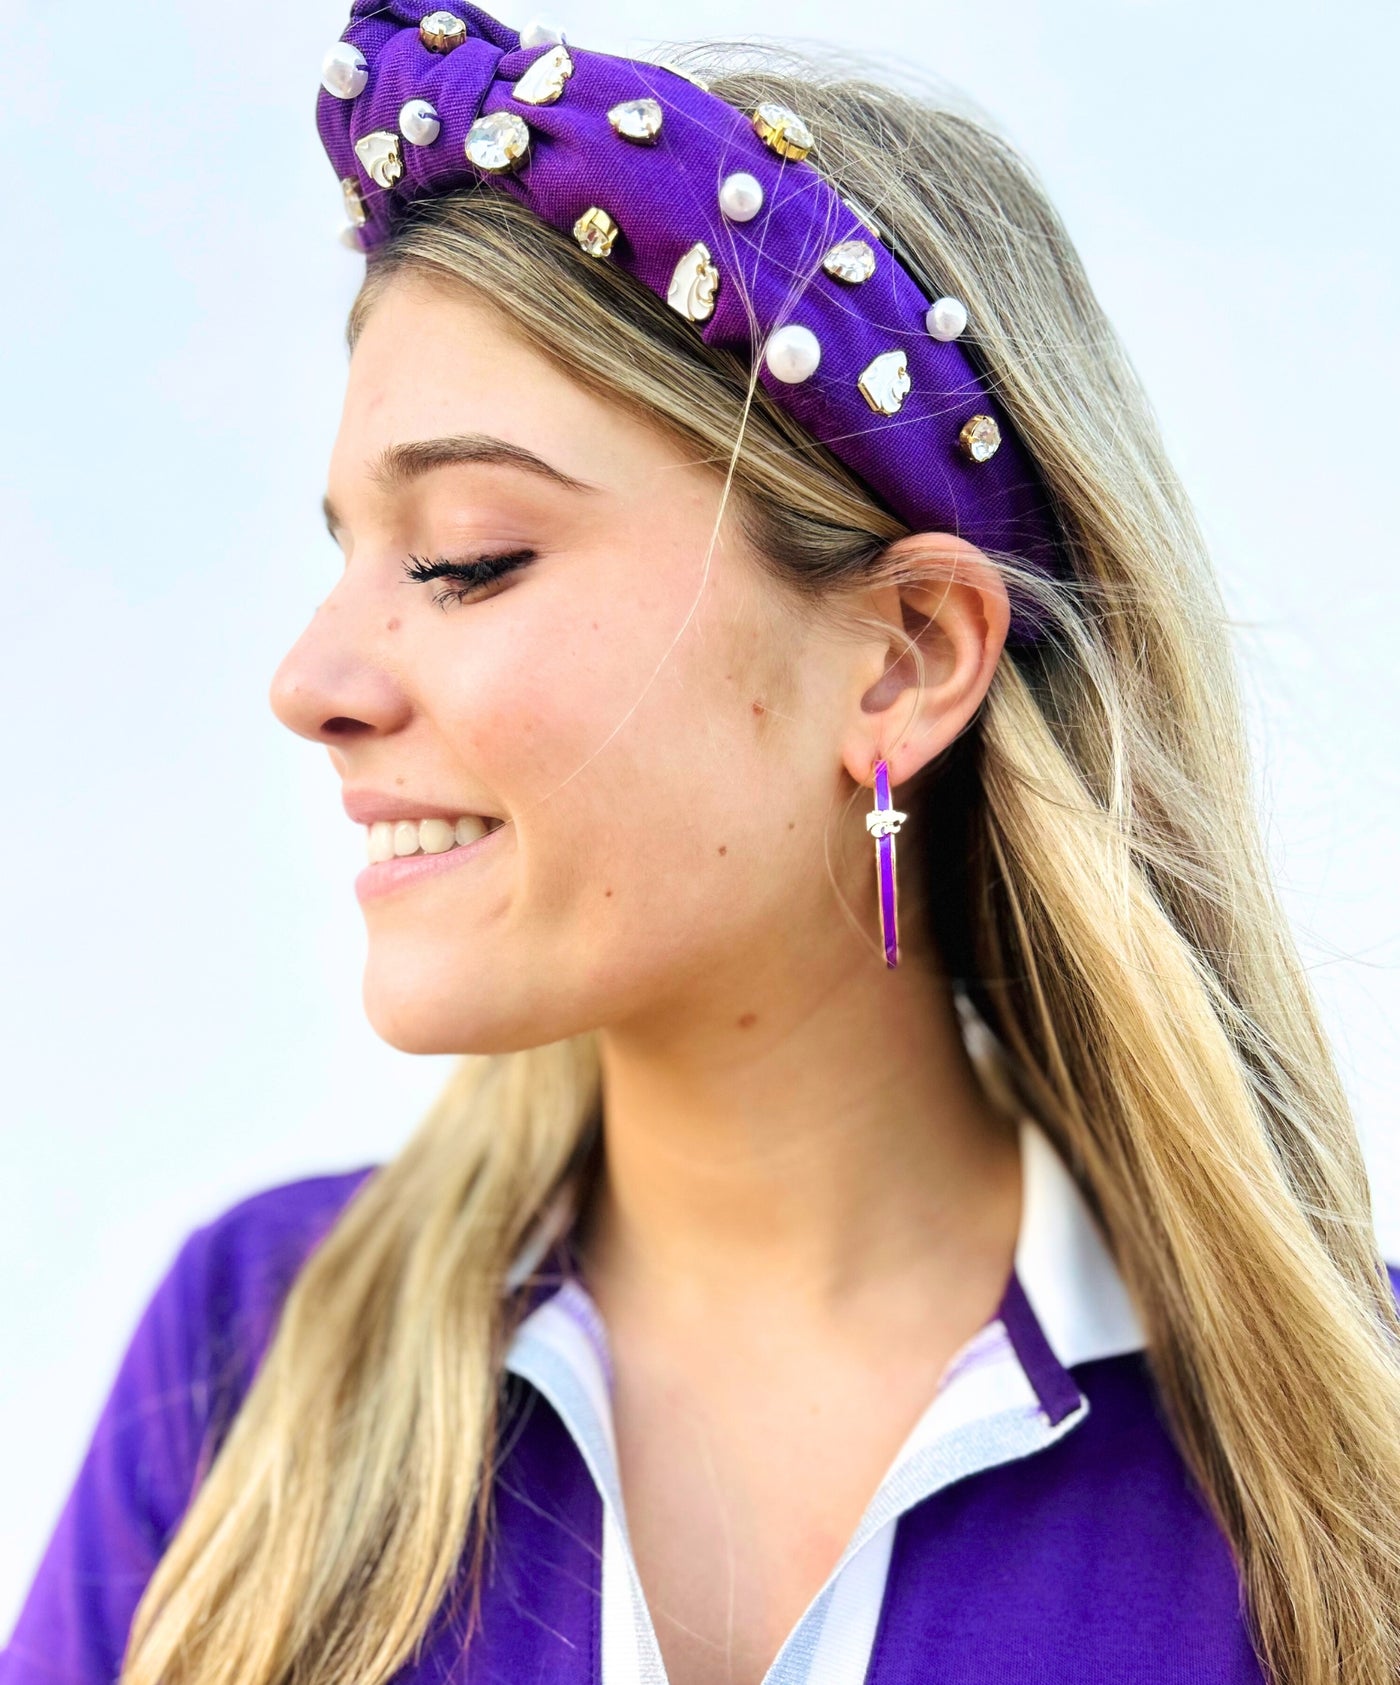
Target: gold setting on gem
(637, 120)
(440, 32)
(782, 130)
(690, 76)
(694, 283)
(884, 382)
(864, 217)
(543, 82)
(980, 438)
(596, 232)
(354, 201)
(379, 152)
(498, 142)
(851, 261)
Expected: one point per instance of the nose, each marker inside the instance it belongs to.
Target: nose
(334, 684)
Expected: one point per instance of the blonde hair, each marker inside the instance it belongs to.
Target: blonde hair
(1092, 874)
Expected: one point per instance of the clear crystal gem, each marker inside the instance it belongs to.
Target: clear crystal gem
(782, 130)
(544, 81)
(440, 32)
(980, 438)
(596, 231)
(884, 382)
(498, 141)
(637, 120)
(851, 260)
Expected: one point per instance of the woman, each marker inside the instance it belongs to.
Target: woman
(810, 1274)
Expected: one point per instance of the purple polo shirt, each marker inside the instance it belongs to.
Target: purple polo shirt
(1038, 1525)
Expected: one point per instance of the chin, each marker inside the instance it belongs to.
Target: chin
(421, 1018)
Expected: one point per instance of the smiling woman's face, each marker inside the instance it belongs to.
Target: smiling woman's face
(661, 733)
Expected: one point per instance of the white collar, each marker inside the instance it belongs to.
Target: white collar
(1063, 1264)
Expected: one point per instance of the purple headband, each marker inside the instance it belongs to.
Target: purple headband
(715, 211)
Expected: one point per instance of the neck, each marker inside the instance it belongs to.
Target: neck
(826, 1151)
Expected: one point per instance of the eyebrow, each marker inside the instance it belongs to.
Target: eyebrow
(398, 465)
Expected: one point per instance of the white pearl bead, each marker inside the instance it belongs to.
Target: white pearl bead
(419, 123)
(541, 32)
(741, 196)
(946, 318)
(792, 353)
(344, 71)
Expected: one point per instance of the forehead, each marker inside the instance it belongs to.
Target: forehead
(434, 362)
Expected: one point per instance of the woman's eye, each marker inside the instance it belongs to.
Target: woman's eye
(468, 580)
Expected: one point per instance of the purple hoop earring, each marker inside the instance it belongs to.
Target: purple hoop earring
(882, 823)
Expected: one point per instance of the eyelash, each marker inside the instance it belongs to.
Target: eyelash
(470, 576)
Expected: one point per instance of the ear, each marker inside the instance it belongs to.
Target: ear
(957, 611)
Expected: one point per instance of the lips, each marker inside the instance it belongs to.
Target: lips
(400, 871)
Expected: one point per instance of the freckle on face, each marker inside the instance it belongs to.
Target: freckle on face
(724, 848)
(748, 1020)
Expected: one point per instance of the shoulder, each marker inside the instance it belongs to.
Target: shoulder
(230, 1276)
(186, 1368)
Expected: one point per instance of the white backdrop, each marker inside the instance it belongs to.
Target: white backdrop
(181, 989)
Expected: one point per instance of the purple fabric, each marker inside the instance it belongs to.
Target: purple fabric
(664, 198)
(1093, 1560)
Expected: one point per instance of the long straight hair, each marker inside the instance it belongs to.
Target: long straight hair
(1092, 875)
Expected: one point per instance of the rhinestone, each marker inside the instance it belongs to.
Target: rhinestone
(636, 120)
(544, 81)
(378, 151)
(541, 32)
(354, 201)
(884, 382)
(792, 353)
(694, 283)
(419, 123)
(851, 260)
(440, 32)
(741, 196)
(946, 318)
(498, 142)
(980, 438)
(595, 231)
(344, 71)
(685, 75)
(782, 130)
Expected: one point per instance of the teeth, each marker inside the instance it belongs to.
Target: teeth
(390, 839)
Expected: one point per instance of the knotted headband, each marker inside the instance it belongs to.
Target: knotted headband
(715, 210)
